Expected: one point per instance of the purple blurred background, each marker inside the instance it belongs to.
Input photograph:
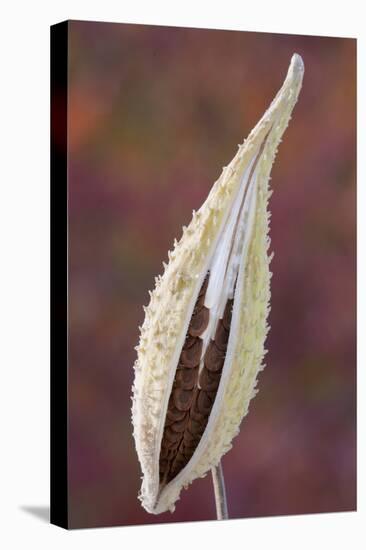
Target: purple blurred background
(154, 114)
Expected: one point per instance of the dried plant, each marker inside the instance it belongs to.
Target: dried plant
(202, 341)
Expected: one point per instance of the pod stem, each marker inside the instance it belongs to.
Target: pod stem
(220, 491)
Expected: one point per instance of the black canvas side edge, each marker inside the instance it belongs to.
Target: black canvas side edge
(59, 276)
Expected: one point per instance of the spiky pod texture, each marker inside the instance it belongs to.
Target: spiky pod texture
(172, 301)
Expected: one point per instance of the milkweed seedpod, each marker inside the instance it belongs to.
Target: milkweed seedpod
(202, 341)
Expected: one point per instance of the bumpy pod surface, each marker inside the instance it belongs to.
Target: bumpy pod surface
(202, 341)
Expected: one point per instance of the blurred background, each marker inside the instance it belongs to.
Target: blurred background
(154, 114)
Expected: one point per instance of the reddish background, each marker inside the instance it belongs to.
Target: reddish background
(154, 114)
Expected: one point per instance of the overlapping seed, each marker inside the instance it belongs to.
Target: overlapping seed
(192, 396)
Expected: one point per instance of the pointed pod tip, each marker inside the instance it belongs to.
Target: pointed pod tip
(297, 65)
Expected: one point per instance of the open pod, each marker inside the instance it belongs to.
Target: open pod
(202, 341)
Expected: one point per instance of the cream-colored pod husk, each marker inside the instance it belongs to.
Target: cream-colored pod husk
(171, 305)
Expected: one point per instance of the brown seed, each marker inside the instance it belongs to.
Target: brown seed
(179, 426)
(211, 395)
(194, 427)
(209, 381)
(199, 322)
(182, 399)
(174, 414)
(190, 439)
(179, 460)
(226, 320)
(201, 296)
(214, 357)
(189, 341)
(221, 336)
(186, 378)
(199, 304)
(188, 453)
(171, 445)
(171, 436)
(164, 453)
(191, 357)
(204, 403)
(168, 421)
